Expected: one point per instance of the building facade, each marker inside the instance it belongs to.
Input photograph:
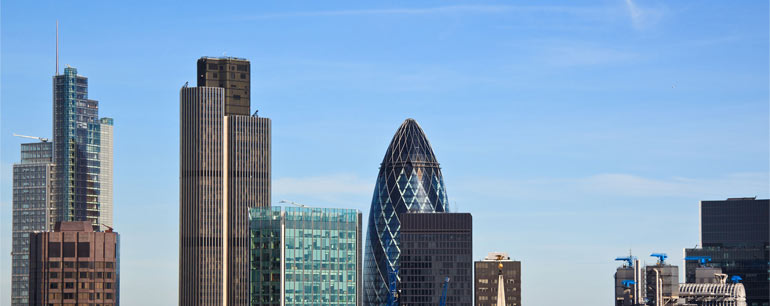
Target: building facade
(489, 272)
(735, 235)
(73, 265)
(234, 75)
(105, 173)
(31, 202)
(409, 181)
(305, 256)
(224, 171)
(436, 259)
(77, 142)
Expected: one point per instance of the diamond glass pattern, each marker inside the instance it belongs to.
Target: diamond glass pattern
(409, 181)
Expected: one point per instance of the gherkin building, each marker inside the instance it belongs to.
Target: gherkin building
(409, 181)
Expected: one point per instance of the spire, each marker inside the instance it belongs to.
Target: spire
(500, 287)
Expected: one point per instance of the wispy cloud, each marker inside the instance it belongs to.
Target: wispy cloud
(451, 9)
(643, 17)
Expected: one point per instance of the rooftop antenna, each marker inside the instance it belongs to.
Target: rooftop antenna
(57, 47)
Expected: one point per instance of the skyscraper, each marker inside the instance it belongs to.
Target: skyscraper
(488, 274)
(224, 170)
(305, 256)
(735, 235)
(436, 255)
(105, 173)
(31, 203)
(73, 265)
(409, 181)
(77, 142)
(79, 183)
(234, 75)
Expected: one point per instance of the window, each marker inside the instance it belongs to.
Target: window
(69, 249)
(84, 249)
(54, 249)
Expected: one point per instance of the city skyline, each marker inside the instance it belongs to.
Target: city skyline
(546, 118)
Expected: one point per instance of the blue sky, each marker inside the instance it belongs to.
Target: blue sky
(573, 131)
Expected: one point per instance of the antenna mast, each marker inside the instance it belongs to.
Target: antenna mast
(57, 47)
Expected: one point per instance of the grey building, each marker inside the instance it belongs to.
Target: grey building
(735, 236)
(224, 171)
(489, 272)
(31, 202)
(662, 284)
(436, 247)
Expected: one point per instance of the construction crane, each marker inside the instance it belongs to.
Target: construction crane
(442, 302)
(701, 259)
(661, 257)
(628, 259)
(627, 283)
(31, 137)
(293, 203)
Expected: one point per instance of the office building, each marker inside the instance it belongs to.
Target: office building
(224, 170)
(105, 173)
(436, 259)
(409, 181)
(234, 75)
(497, 277)
(76, 151)
(31, 202)
(305, 256)
(734, 236)
(73, 265)
(78, 183)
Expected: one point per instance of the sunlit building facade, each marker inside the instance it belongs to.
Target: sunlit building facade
(409, 181)
(305, 256)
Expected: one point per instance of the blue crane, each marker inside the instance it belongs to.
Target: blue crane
(627, 283)
(628, 259)
(701, 259)
(442, 302)
(661, 257)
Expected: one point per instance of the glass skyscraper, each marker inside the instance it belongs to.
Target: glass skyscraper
(409, 181)
(304, 256)
(77, 143)
(735, 234)
(69, 179)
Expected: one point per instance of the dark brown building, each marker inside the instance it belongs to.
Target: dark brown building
(224, 164)
(232, 74)
(436, 247)
(487, 275)
(73, 265)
